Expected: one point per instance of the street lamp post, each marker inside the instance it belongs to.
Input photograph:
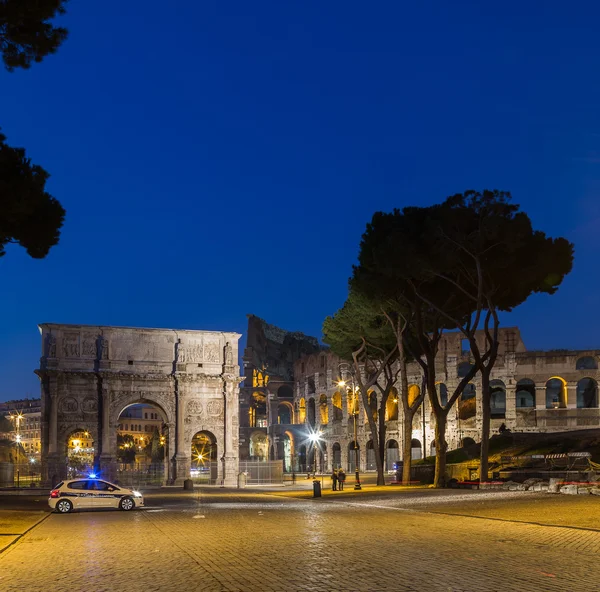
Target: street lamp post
(355, 413)
(17, 418)
(354, 395)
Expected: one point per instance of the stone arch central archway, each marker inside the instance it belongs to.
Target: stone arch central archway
(119, 402)
(141, 445)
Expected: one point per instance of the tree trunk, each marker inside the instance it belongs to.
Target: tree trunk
(485, 425)
(407, 417)
(407, 420)
(441, 446)
(381, 451)
(374, 435)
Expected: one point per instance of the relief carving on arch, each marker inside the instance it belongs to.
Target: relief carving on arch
(89, 347)
(70, 345)
(193, 411)
(212, 353)
(189, 352)
(68, 405)
(89, 405)
(214, 409)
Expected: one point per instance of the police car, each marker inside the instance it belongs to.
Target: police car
(91, 492)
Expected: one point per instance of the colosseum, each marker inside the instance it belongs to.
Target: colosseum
(292, 389)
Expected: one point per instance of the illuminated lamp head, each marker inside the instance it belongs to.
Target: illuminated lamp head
(92, 475)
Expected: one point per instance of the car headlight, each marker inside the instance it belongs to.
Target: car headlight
(136, 494)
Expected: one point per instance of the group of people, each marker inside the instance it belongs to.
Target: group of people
(337, 479)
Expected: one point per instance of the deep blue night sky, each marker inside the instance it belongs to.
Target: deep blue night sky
(222, 158)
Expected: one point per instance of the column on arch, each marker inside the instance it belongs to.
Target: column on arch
(231, 426)
(182, 456)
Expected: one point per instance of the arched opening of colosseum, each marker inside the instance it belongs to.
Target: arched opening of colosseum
(311, 412)
(205, 466)
(463, 369)
(432, 448)
(302, 458)
(337, 455)
(371, 465)
(321, 451)
(413, 393)
(79, 453)
(442, 391)
(467, 403)
(497, 399)
(466, 442)
(312, 456)
(525, 393)
(416, 450)
(323, 410)
(391, 406)
(288, 451)
(392, 454)
(302, 411)
(586, 363)
(285, 413)
(556, 393)
(372, 397)
(257, 412)
(337, 406)
(353, 403)
(353, 456)
(587, 394)
(258, 447)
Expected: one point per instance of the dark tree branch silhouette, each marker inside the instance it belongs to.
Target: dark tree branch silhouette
(26, 33)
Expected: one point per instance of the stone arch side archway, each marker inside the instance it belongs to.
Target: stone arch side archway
(205, 454)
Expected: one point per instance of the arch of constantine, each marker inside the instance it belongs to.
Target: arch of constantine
(90, 374)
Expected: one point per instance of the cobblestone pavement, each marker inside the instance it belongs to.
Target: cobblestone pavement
(219, 541)
(14, 524)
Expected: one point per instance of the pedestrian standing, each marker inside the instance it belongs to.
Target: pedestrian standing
(341, 478)
(293, 477)
(334, 480)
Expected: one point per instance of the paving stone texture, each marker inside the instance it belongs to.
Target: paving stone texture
(229, 542)
(13, 524)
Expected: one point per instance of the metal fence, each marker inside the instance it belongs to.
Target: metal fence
(136, 475)
(262, 473)
(20, 474)
(206, 474)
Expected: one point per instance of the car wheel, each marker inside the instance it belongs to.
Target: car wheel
(126, 504)
(64, 506)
